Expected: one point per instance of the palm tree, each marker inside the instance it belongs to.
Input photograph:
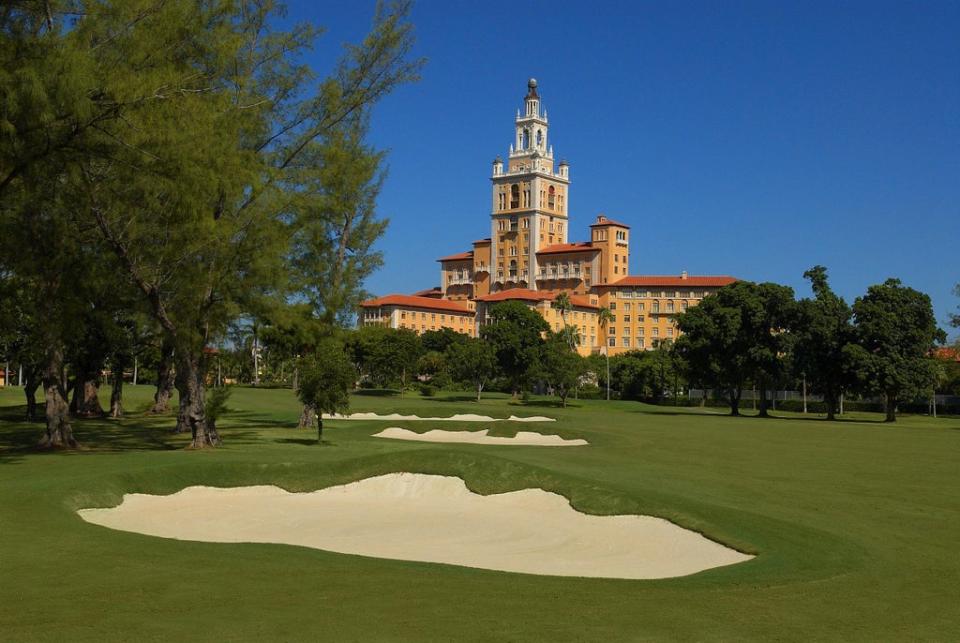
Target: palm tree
(605, 318)
(562, 303)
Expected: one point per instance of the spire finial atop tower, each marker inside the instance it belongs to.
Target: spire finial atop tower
(532, 88)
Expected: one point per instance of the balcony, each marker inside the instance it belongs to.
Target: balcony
(459, 280)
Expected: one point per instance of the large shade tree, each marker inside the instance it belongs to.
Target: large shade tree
(896, 333)
(822, 330)
(515, 332)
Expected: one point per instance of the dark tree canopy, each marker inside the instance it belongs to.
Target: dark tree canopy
(515, 332)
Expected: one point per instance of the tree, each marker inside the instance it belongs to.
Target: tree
(715, 344)
(515, 333)
(326, 379)
(896, 332)
(605, 317)
(767, 310)
(822, 330)
(200, 229)
(472, 361)
(561, 366)
(441, 340)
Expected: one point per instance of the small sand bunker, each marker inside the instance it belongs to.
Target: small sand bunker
(460, 417)
(523, 438)
(407, 516)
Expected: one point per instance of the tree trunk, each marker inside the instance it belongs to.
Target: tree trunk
(479, 390)
(763, 399)
(734, 403)
(191, 387)
(319, 429)
(831, 400)
(891, 409)
(30, 391)
(116, 394)
(161, 399)
(90, 403)
(307, 415)
(59, 432)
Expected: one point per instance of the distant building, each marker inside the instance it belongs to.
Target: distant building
(529, 258)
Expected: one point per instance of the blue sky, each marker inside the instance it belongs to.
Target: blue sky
(754, 139)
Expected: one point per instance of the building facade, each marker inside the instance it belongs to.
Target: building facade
(529, 258)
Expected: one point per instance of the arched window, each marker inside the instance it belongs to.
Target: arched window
(513, 268)
(539, 138)
(514, 196)
(525, 140)
(551, 198)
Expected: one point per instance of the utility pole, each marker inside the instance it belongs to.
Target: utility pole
(20, 375)
(256, 360)
(136, 364)
(606, 352)
(841, 404)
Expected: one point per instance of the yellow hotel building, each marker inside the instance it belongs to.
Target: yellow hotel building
(528, 258)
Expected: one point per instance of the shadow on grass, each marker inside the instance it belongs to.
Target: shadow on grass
(303, 441)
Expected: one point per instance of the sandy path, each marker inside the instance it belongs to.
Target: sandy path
(429, 518)
(525, 438)
(460, 417)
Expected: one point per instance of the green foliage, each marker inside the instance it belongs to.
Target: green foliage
(217, 398)
(440, 340)
(822, 330)
(643, 375)
(472, 362)
(561, 366)
(326, 379)
(385, 355)
(515, 333)
(735, 335)
(896, 333)
(428, 390)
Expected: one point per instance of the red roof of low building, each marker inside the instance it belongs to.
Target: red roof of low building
(481, 241)
(560, 248)
(460, 256)
(693, 281)
(415, 301)
(525, 294)
(429, 292)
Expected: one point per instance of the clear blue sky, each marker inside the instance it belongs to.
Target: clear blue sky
(754, 139)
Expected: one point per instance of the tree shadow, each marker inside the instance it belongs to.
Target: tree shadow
(302, 441)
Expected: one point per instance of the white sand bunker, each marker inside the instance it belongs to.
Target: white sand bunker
(460, 417)
(522, 438)
(430, 518)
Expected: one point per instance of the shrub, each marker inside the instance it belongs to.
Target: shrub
(428, 390)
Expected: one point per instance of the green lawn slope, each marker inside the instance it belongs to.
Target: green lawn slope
(855, 525)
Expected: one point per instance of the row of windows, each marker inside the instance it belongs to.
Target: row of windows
(663, 294)
(433, 316)
(655, 307)
(639, 332)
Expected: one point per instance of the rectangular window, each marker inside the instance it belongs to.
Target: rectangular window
(640, 343)
(612, 341)
(613, 331)
(626, 306)
(626, 319)
(640, 331)
(641, 306)
(656, 332)
(669, 306)
(626, 342)
(613, 305)
(669, 332)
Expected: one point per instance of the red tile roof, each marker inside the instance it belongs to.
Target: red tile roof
(429, 292)
(525, 294)
(692, 281)
(607, 222)
(415, 301)
(560, 248)
(947, 354)
(460, 256)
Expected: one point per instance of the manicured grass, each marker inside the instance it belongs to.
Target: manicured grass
(855, 524)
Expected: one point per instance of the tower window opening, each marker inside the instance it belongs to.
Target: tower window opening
(551, 198)
(514, 196)
(539, 138)
(525, 139)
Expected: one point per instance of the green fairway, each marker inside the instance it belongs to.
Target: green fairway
(855, 525)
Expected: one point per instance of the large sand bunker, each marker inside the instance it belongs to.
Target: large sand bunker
(459, 417)
(408, 516)
(523, 438)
